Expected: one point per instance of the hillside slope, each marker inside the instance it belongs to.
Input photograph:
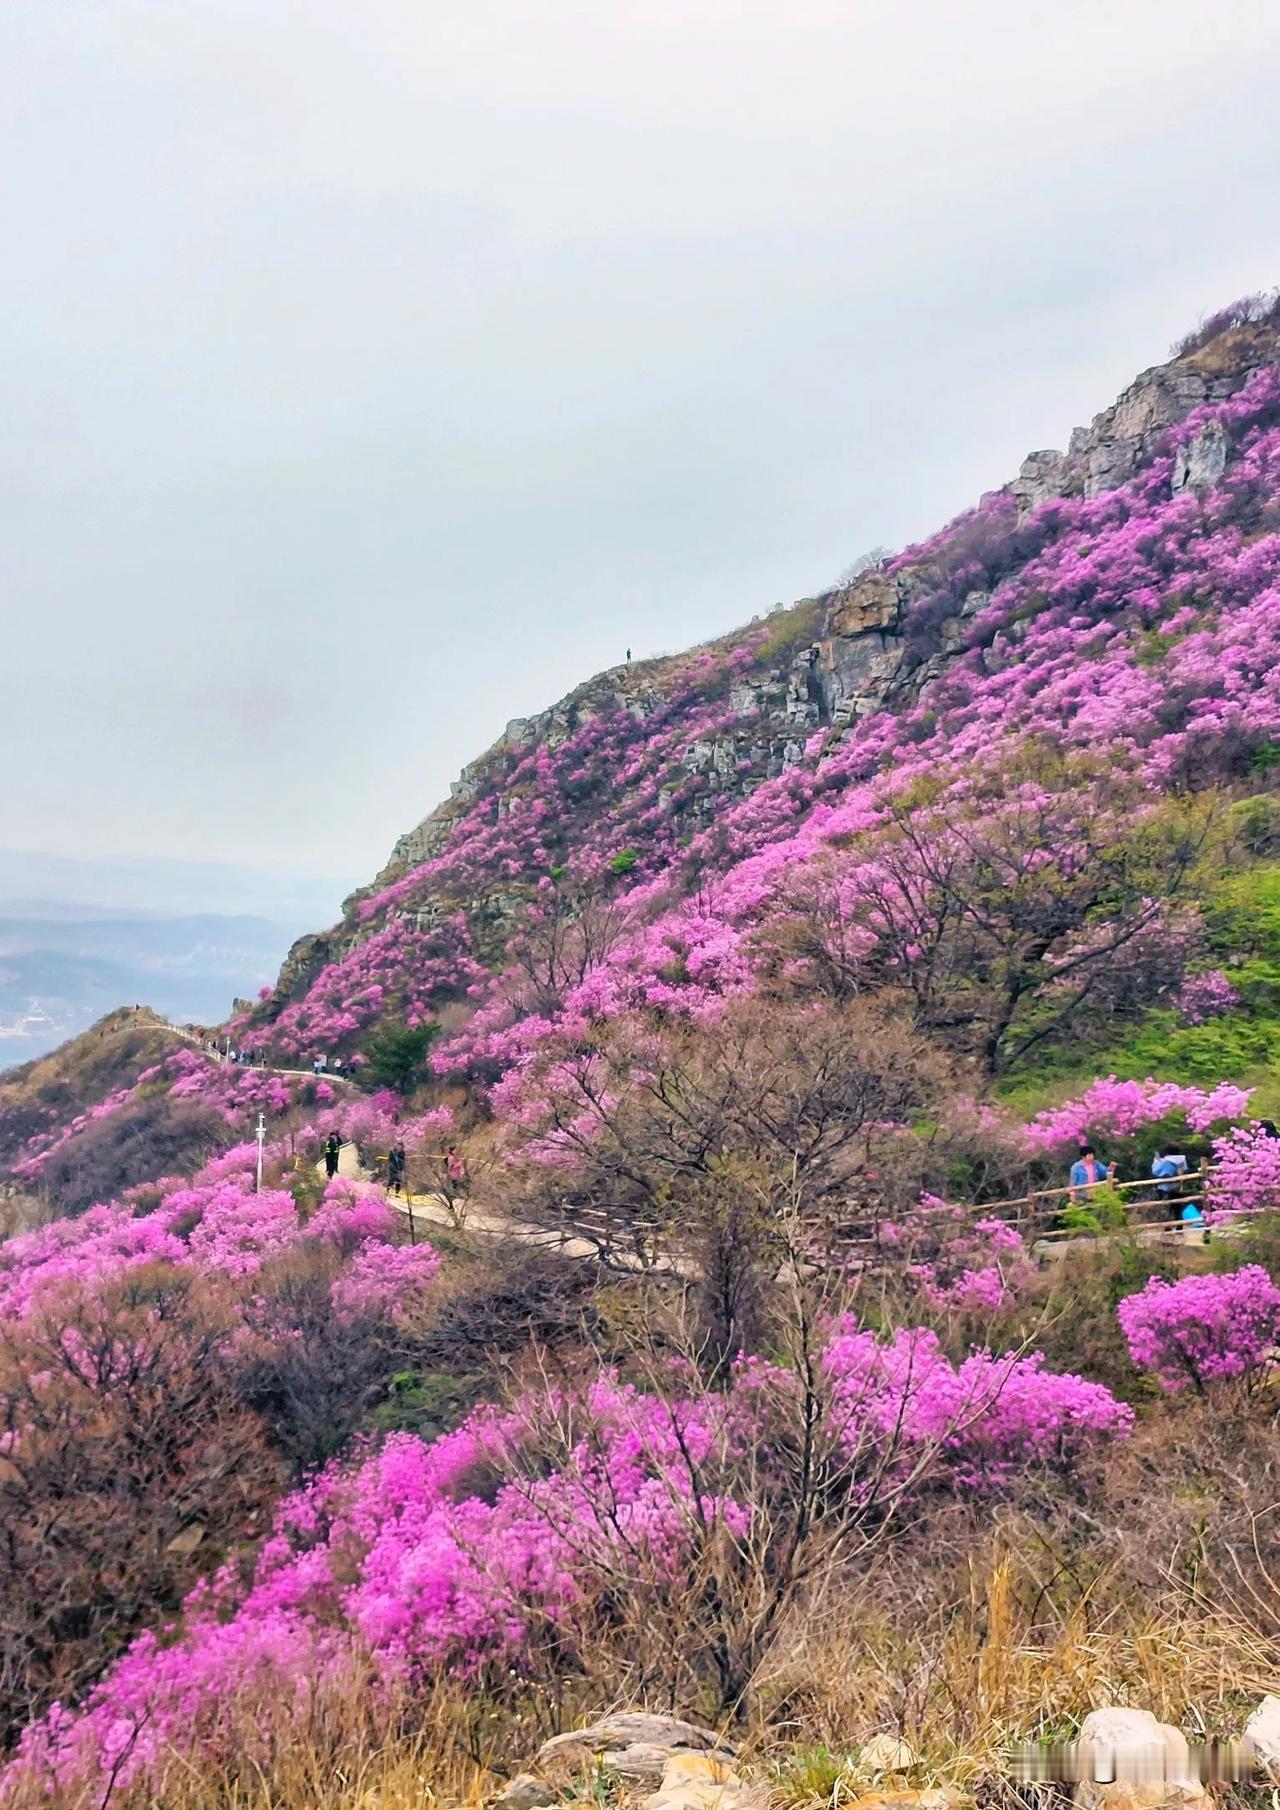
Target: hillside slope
(1115, 601)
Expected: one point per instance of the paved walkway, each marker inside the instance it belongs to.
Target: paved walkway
(428, 1210)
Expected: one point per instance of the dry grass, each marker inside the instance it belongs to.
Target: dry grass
(1005, 1664)
(353, 1752)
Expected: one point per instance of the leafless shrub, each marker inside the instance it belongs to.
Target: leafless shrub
(130, 1463)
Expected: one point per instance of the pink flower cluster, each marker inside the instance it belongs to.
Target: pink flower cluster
(997, 1418)
(1203, 1329)
(984, 1267)
(215, 1224)
(383, 1281)
(1110, 1108)
(1246, 1165)
(1206, 995)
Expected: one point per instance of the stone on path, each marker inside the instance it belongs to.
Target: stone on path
(932, 1797)
(704, 1781)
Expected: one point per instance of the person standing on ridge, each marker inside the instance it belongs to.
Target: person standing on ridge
(332, 1148)
(628, 656)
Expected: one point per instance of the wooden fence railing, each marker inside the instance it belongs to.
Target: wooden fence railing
(658, 1244)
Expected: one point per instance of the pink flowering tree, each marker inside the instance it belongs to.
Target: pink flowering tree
(1110, 1110)
(1206, 995)
(1204, 1330)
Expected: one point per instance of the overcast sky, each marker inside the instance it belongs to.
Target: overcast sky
(372, 372)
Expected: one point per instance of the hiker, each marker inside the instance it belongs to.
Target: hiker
(1167, 1168)
(455, 1168)
(332, 1146)
(395, 1168)
(628, 656)
(1087, 1172)
(338, 1070)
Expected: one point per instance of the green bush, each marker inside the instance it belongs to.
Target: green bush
(1257, 823)
(1222, 1049)
(1103, 1211)
(623, 861)
(396, 1055)
(790, 630)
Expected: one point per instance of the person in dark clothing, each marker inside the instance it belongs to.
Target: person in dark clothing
(395, 1168)
(332, 1146)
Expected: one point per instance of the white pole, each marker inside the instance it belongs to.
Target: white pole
(262, 1133)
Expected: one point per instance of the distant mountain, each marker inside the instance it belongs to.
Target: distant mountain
(58, 974)
(79, 937)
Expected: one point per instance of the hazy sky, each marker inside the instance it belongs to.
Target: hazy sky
(372, 372)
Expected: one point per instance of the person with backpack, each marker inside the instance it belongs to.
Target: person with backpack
(332, 1149)
(395, 1168)
(1167, 1168)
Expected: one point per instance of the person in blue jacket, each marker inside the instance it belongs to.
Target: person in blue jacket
(1087, 1172)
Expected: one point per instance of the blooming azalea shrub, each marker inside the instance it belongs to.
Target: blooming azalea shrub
(122, 1428)
(383, 1281)
(982, 1268)
(1246, 1176)
(218, 1226)
(165, 1362)
(493, 1547)
(1203, 1329)
(1117, 1109)
(996, 1418)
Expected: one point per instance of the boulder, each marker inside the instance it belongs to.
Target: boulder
(886, 1753)
(871, 602)
(1263, 1729)
(644, 1761)
(631, 1743)
(704, 1781)
(525, 1792)
(1128, 1760)
(1041, 476)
